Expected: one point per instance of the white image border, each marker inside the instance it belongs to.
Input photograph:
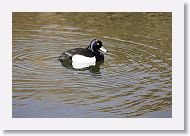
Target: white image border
(174, 123)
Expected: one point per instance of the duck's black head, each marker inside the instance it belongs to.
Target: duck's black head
(96, 45)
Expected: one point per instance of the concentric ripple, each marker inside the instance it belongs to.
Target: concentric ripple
(134, 81)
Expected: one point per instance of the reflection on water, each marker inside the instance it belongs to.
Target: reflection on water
(135, 79)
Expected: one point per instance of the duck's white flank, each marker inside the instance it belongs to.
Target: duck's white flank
(82, 59)
(79, 61)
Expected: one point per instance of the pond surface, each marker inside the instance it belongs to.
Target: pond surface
(134, 81)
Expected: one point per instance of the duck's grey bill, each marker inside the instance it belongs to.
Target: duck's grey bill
(103, 49)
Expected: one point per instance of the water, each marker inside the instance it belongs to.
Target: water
(134, 81)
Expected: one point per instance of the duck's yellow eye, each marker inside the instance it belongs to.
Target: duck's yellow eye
(97, 44)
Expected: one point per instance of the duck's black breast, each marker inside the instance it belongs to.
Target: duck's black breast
(100, 57)
(80, 51)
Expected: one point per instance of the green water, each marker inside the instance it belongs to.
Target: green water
(134, 81)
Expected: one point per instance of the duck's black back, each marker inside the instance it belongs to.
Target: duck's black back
(80, 51)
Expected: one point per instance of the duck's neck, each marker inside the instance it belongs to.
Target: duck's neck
(95, 53)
